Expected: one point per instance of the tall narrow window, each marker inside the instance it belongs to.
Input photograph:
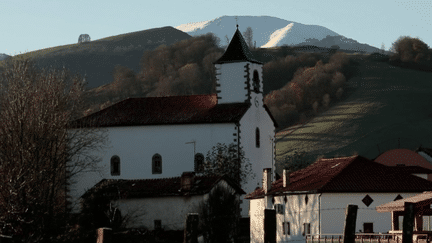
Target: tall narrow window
(157, 164)
(286, 228)
(199, 162)
(256, 81)
(115, 165)
(257, 137)
(306, 228)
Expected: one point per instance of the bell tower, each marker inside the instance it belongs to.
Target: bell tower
(238, 74)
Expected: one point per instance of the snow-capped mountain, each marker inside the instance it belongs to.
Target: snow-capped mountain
(267, 31)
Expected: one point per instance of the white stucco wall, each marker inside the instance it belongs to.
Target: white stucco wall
(297, 212)
(231, 78)
(333, 206)
(135, 145)
(257, 207)
(172, 211)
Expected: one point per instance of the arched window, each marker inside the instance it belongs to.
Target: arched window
(256, 81)
(199, 162)
(257, 138)
(157, 164)
(115, 165)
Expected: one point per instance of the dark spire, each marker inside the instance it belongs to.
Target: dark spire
(237, 51)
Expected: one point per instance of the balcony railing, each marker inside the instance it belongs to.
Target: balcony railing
(366, 238)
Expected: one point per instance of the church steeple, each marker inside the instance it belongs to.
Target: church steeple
(237, 51)
(238, 74)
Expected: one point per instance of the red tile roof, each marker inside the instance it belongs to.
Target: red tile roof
(411, 169)
(348, 174)
(119, 188)
(402, 156)
(191, 109)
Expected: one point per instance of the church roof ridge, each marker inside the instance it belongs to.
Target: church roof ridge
(157, 187)
(193, 109)
(237, 51)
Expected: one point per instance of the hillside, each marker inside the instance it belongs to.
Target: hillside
(97, 59)
(382, 103)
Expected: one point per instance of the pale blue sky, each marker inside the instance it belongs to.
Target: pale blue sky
(28, 25)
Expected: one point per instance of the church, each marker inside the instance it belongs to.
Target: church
(162, 137)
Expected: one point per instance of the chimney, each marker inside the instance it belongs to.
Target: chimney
(285, 177)
(266, 179)
(187, 180)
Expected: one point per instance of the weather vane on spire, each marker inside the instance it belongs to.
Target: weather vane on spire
(236, 22)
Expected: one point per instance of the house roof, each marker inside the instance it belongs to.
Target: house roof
(237, 51)
(411, 169)
(427, 151)
(347, 174)
(191, 109)
(420, 200)
(144, 188)
(402, 156)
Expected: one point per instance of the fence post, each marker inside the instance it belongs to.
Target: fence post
(104, 235)
(408, 223)
(191, 228)
(270, 226)
(350, 223)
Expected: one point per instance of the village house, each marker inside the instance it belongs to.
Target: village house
(406, 159)
(313, 200)
(160, 203)
(161, 137)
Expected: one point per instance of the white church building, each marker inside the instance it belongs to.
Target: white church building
(162, 137)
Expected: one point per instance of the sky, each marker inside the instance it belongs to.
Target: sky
(28, 25)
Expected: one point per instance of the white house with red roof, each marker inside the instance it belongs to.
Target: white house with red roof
(161, 203)
(160, 137)
(313, 200)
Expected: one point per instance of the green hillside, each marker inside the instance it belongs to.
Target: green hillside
(97, 59)
(382, 103)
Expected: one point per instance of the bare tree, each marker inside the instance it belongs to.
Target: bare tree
(37, 148)
(227, 40)
(228, 160)
(383, 48)
(248, 35)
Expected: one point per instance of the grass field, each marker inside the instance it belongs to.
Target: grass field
(383, 103)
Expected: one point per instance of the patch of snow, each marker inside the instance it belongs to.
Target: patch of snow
(192, 26)
(277, 36)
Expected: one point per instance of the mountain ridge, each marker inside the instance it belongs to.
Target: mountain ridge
(271, 32)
